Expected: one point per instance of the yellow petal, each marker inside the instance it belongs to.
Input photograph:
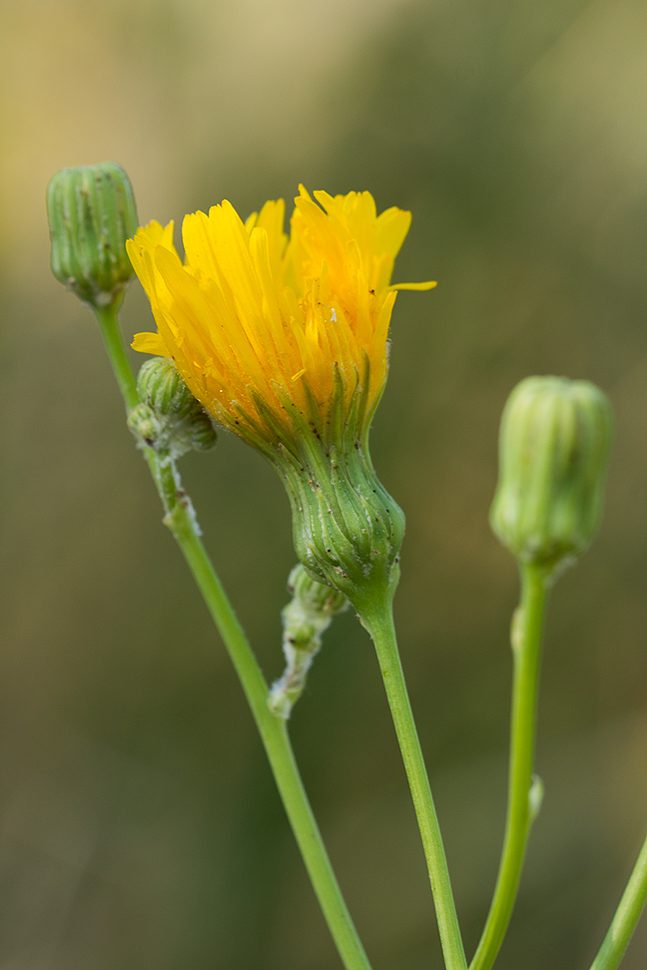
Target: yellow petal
(414, 286)
(251, 311)
(150, 343)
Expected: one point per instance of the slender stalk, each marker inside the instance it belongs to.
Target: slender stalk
(526, 636)
(181, 520)
(627, 915)
(275, 739)
(379, 623)
(109, 324)
(107, 319)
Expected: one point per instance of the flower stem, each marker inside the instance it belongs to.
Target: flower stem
(626, 917)
(180, 518)
(523, 795)
(108, 322)
(379, 623)
(277, 745)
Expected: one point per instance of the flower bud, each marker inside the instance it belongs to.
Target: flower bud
(169, 418)
(554, 447)
(145, 426)
(312, 595)
(306, 617)
(91, 212)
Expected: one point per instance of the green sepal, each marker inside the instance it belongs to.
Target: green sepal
(347, 529)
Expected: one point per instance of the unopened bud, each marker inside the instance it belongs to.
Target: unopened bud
(554, 448)
(312, 595)
(91, 212)
(144, 425)
(306, 617)
(169, 418)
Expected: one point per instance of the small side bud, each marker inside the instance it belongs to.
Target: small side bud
(169, 418)
(91, 212)
(554, 449)
(313, 596)
(144, 425)
(305, 619)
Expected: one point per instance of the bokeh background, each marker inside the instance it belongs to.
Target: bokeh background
(139, 826)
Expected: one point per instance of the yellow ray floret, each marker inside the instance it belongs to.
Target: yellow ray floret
(252, 315)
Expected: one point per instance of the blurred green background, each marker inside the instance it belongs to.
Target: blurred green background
(139, 826)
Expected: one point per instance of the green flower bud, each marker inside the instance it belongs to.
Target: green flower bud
(169, 418)
(144, 425)
(554, 447)
(160, 385)
(312, 595)
(91, 212)
(305, 619)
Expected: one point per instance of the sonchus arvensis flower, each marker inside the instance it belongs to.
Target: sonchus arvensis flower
(284, 340)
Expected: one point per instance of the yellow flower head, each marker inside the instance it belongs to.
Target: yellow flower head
(268, 331)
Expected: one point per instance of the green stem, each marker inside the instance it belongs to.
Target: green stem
(107, 319)
(111, 333)
(527, 628)
(627, 915)
(181, 520)
(275, 739)
(379, 623)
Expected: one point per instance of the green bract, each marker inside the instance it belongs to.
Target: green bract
(347, 529)
(91, 212)
(554, 447)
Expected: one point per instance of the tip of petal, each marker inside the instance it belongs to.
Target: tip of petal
(155, 233)
(429, 285)
(150, 343)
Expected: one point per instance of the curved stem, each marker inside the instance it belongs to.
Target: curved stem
(379, 623)
(180, 518)
(523, 795)
(627, 915)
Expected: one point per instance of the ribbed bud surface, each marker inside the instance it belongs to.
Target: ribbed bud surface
(91, 212)
(313, 596)
(347, 529)
(554, 446)
(169, 418)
